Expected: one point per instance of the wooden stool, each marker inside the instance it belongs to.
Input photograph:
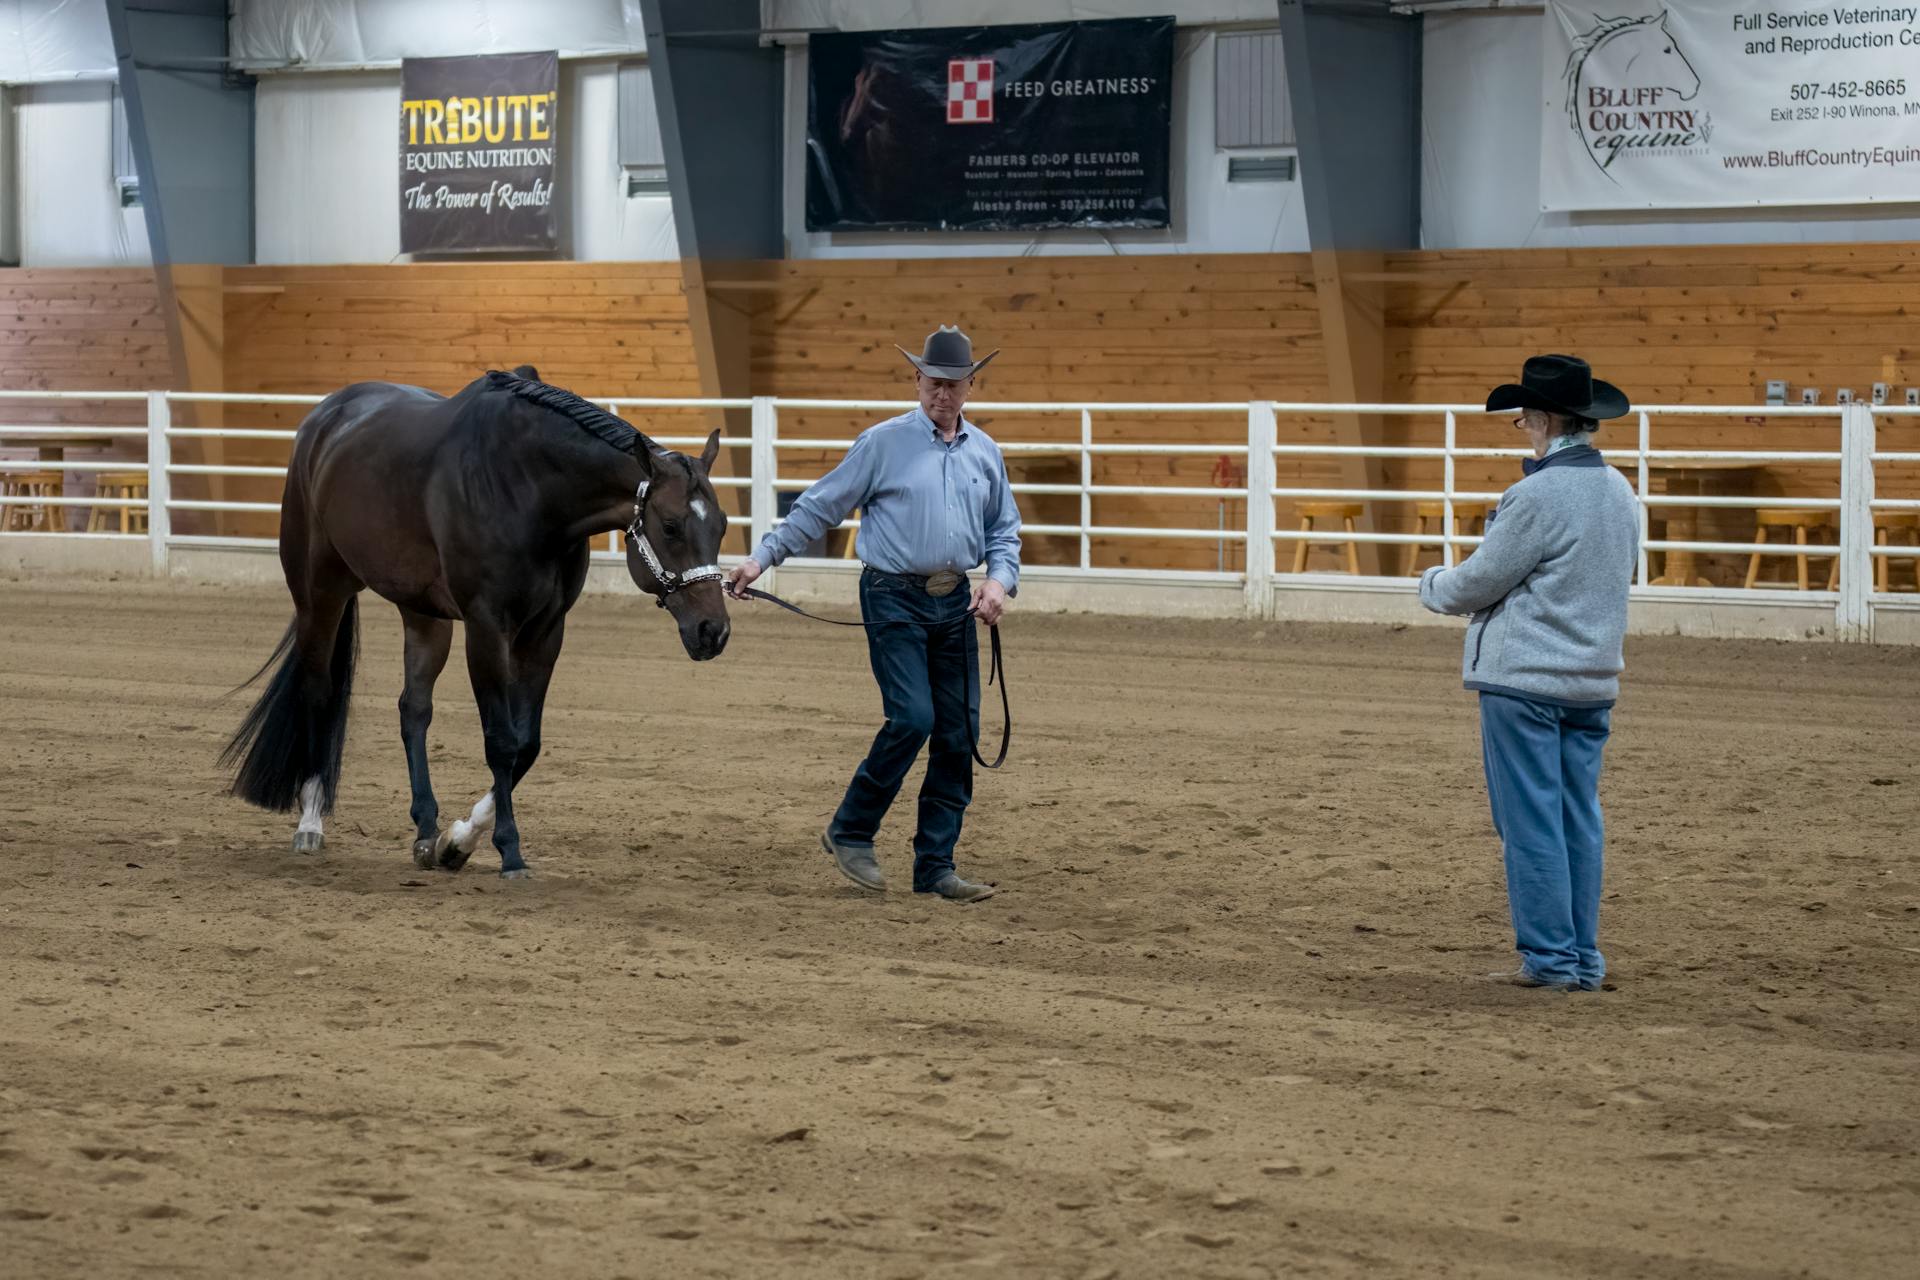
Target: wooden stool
(33, 484)
(116, 487)
(1345, 512)
(1437, 512)
(1884, 523)
(1802, 522)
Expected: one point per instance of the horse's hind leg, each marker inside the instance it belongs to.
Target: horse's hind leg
(325, 645)
(428, 642)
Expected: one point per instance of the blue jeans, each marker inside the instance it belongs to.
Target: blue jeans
(924, 686)
(1543, 778)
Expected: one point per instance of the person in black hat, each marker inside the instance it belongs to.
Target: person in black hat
(934, 502)
(1547, 595)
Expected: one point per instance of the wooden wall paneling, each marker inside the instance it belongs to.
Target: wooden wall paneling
(80, 330)
(1705, 323)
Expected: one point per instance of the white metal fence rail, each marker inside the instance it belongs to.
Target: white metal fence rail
(1855, 458)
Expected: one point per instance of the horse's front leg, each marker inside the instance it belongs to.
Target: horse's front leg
(491, 668)
(510, 686)
(428, 642)
(534, 670)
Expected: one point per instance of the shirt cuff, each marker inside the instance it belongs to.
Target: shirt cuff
(1000, 576)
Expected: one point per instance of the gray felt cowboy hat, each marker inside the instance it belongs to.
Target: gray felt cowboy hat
(948, 354)
(1560, 384)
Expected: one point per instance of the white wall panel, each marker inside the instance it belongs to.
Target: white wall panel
(69, 208)
(43, 40)
(606, 225)
(340, 34)
(326, 165)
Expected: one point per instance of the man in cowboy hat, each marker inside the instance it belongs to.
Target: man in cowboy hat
(934, 502)
(1547, 592)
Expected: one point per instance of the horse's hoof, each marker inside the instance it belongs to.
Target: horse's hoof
(424, 854)
(518, 873)
(308, 841)
(449, 856)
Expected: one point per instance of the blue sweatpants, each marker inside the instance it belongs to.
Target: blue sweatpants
(1543, 778)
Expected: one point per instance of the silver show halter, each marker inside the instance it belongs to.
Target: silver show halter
(669, 580)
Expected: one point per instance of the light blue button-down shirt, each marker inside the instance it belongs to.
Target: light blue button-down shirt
(925, 505)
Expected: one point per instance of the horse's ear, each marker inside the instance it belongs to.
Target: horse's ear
(712, 451)
(526, 371)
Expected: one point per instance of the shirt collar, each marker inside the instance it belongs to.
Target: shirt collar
(1577, 455)
(934, 427)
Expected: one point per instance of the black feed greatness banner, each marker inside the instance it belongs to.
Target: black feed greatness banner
(477, 138)
(990, 128)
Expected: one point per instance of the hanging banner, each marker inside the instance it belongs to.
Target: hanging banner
(1720, 103)
(477, 138)
(990, 128)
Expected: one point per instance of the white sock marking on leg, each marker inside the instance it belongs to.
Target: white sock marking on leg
(312, 796)
(467, 832)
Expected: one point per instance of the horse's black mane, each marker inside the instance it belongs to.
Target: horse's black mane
(594, 419)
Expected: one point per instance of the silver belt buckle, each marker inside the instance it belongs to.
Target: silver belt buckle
(942, 583)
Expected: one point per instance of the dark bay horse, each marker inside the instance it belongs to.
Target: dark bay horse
(480, 507)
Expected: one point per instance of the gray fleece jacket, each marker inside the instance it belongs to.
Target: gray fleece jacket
(1547, 590)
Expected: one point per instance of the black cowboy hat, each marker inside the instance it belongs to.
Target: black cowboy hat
(1560, 384)
(948, 354)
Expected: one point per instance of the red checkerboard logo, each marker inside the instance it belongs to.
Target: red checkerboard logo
(969, 90)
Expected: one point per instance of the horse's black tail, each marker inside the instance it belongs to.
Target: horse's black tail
(296, 731)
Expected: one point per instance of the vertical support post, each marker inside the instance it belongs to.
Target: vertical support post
(1086, 488)
(761, 505)
(1640, 488)
(159, 488)
(1852, 618)
(1446, 497)
(1261, 436)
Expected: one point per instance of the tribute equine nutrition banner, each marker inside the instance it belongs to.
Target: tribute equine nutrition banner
(1716, 103)
(477, 139)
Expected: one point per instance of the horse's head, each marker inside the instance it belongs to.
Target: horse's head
(1644, 54)
(673, 546)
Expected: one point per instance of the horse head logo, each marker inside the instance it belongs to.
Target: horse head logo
(1628, 63)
